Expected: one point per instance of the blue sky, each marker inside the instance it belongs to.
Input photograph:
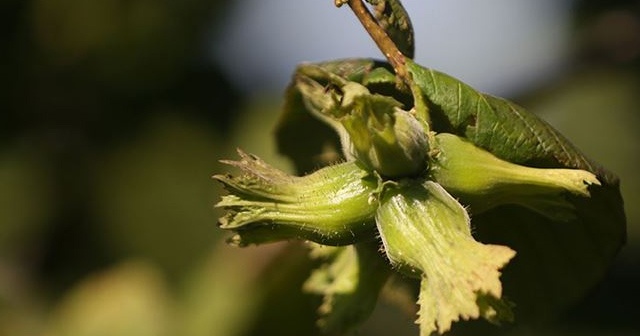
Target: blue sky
(499, 46)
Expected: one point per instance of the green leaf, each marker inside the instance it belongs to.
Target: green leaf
(558, 261)
(498, 125)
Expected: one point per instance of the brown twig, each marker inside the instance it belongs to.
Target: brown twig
(382, 40)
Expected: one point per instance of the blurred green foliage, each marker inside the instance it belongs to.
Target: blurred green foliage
(150, 199)
(111, 122)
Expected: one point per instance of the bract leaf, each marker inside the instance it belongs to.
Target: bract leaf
(300, 134)
(330, 206)
(349, 281)
(483, 181)
(426, 233)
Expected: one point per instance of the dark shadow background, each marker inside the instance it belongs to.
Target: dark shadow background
(112, 119)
